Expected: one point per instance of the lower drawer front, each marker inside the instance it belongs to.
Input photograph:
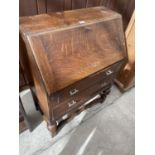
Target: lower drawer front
(81, 98)
(77, 88)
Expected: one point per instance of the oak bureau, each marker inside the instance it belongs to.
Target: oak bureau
(73, 56)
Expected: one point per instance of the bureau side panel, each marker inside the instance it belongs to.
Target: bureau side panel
(39, 86)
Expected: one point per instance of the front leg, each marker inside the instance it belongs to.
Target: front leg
(52, 127)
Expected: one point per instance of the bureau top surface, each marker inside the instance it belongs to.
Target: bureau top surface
(69, 46)
(57, 20)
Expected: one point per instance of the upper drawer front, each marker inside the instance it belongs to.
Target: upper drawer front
(82, 97)
(69, 92)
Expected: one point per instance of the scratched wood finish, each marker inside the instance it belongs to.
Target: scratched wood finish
(82, 85)
(73, 50)
(80, 99)
(33, 7)
(75, 44)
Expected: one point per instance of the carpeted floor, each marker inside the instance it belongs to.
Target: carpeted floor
(105, 129)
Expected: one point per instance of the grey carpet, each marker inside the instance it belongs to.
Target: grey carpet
(105, 129)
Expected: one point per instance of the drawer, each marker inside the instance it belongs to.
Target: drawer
(67, 93)
(82, 97)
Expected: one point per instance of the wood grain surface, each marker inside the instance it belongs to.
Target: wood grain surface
(67, 51)
(80, 50)
(34, 7)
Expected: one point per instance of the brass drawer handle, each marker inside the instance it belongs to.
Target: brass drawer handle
(73, 102)
(109, 71)
(73, 92)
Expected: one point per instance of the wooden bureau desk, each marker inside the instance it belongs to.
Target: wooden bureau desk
(73, 56)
